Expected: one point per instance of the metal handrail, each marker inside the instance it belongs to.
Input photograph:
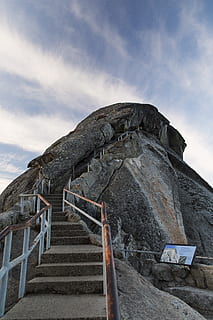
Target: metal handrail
(101, 154)
(109, 275)
(42, 183)
(6, 234)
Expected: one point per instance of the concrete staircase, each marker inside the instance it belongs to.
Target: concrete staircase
(69, 281)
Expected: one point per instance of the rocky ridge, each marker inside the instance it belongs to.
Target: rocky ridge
(135, 163)
(131, 157)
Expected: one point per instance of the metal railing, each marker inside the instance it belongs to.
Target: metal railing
(41, 184)
(99, 155)
(44, 216)
(109, 275)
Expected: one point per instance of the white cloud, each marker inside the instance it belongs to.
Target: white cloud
(183, 58)
(4, 183)
(8, 170)
(95, 20)
(32, 132)
(67, 83)
(199, 151)
(81, 86)
(6, 166)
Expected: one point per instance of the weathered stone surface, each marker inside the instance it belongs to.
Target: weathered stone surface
(152, 196)
(197, 211)
(8, 218)
(165, 275)
(140, 300)
(203, 276)
(41, 161)
(139, 185)
(200, 299)
(97, 130)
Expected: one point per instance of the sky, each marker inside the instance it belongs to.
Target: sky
(62, 59)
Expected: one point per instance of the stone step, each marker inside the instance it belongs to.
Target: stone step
(53, 195)
(69, 233)
(56, 209)
(66, 285)
(59, 213)
(58, 307)
(57, 205)
(69, 269)
(72, 253)
(70, 240)
(65, 225)
(54, 200)
(59, 218)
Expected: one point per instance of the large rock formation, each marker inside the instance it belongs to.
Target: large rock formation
(131, 157)
(135, 162)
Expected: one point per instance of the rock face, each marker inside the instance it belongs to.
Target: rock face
(131, 157)
(140, 300)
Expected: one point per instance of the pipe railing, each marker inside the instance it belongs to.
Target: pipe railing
(100, 154)
(109, 275)
(41, 184)
(6, 235)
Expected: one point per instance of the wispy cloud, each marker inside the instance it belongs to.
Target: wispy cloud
(177, 78)
(65, 82)
(32, 133)
(8, 171)
(183, 65)
(7, 166)
(199, 151)
(183, 59)
(4, 182)
(94, 19)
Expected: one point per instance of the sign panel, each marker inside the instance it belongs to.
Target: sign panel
(178, 254)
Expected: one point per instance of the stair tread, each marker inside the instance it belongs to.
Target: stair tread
(69, 233)
(66, 279)
(78, 248)
(61, 223)
(68, 264)
(58, 306)
(59, 212)
(69, 237)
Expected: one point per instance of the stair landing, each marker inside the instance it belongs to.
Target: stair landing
(56, 306)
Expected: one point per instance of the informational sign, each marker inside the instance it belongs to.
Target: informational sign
(178, 254)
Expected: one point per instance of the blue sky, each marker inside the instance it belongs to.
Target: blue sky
(62, 59)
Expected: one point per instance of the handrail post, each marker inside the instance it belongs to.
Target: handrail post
(49, 222)
(38, 208)
(103, 207)
(69, 183)
(34, 201)
(42, 186)
(113, 312)
(22, 205)
(42, 231)
(49, 186)
(5, 263)
(64, 194)
(24, 262)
